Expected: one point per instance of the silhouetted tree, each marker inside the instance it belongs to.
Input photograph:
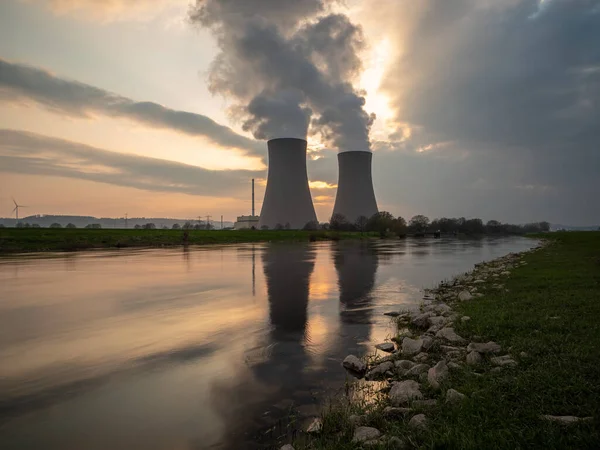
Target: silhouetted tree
(176, 226)
(338, 222)
(361, 223)
(71, 225)
(35, 225)
(418, 224)
(264, 227)
(137, 227)
(188, 226)
(311, 225)
(149, 226)
(381, 222)
(278, 227)
(56, 225)
(399, 226)
(94, 226)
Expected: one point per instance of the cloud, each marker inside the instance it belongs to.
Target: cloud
(111, 10)
(20, 82)
(29, 153)
(509, 90)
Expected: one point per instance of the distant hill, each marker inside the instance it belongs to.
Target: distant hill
(45, 221)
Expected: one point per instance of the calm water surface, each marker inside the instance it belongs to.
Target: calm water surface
(198, 348)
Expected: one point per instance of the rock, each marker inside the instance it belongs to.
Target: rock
(427, 342)
(392, 313)
(418, 421)
(566, 420)
(379, 370)
(417, 370)
(405, 391)
(363, 434)
(454, 397)
(411, 346)
(357, 420)
(392, 412)
(442, 308)
(315, 426)
(422, 320)
(473, 358)
(437, 320)
(404, 364)
(464, 296)
(524, 355)
(490, 347)
(421, 357)
(503, 361)
(448, 348)
(354, 364)
(452, 365)
(449, 334)
(505, 273)
(424, 403)
(396, 443)
(437, 374)
(465, 318)
(286, 447)
(386, 347)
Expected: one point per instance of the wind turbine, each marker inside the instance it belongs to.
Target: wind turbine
(16, 209)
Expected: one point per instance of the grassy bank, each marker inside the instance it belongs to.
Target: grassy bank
(51, 239)
(547, 317)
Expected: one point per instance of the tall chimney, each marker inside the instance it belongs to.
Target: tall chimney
(252, 197)
(355, 196)
(287, 196)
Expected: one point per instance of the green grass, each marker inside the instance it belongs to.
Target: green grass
(551, 312)
(51, 239)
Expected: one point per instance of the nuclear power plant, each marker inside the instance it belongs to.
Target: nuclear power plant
(355, 196)
(287, 201)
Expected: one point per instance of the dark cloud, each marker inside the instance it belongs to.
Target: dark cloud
(29, 153)
(270, 48)
(72, 98)
(516, 87)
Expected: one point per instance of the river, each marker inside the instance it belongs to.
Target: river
(199, 348)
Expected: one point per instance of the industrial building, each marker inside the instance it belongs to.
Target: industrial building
(355, 195)
(287, 201)
(247, 222)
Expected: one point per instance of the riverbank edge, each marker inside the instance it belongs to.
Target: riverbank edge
(416, 379)
(15, 241)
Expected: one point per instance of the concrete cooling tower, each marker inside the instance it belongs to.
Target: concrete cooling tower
(355, 196)
(287, 197)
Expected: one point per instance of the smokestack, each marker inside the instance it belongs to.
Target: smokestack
(355, 196)
(252, 197)
(287, 197)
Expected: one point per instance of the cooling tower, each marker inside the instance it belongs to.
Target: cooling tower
(355, 196)
(287, 197)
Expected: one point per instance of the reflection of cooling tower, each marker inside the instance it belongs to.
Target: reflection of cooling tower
(355, 196)
(287, 197)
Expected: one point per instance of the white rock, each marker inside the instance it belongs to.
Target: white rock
(417, 370)
(379, 370)
(418, 421)
(454, 397)
(286, 447)
(452, 365)
(505, 273)
(363, 434)
(473, 358)
(442, 308)
(449, 334)
(411, 346)
(465, 318)
(489, 347)
(503, 361)
(357, 420)
(315, 426)
(437, 374)
(566, 420)
(464, 296)
(354, 364)
(405, 391)
(386, 347)
(524, 355)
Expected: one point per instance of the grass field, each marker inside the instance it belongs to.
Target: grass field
(51, 239)
(552, 313)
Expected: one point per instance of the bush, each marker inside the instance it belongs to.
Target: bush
(71, 225)
(56, 225)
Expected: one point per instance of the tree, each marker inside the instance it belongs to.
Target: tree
(338, 222)
(361, 223)
(176, 226)
(137, 226)
(264, 227)
(188, 226)
(381, 222)
(418, 224)
(278, 227)
(35, 225)
(311, 225)
(56, 225)
(70, 225)
(149, 226)
(2, 225)
(399, 226)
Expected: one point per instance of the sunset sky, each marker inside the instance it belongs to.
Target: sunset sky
(484, 108)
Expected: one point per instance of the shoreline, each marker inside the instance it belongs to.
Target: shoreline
(430, 387)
